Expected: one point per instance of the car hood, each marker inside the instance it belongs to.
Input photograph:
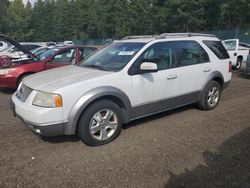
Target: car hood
(57, 78)
(8, 60)
(16, 44)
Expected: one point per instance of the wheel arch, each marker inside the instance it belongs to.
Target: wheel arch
(22, 75)
(214, 76)
(240, 57)
(106, 92)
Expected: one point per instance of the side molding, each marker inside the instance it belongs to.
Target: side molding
(90, 96)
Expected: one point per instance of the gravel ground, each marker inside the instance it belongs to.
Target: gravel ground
(180, 148)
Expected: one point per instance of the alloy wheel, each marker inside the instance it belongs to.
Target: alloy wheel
(103, 124)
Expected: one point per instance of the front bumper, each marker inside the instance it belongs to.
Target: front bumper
(43, 129)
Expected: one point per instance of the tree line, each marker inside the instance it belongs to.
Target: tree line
(58, 20)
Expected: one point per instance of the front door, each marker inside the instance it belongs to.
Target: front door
(152, 92)
(62, 58)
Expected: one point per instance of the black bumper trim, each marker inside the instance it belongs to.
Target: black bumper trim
(47, 130)
(43, 130)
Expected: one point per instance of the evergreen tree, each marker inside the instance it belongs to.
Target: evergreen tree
(4, 4)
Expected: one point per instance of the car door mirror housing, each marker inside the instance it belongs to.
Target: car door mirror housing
(147, 67)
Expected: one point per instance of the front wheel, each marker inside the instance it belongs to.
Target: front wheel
(210, 96)
(100, 123)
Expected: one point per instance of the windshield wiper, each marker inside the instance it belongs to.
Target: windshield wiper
(97, 67)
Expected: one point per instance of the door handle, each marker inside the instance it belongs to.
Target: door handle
(172, 76)
(206, 70)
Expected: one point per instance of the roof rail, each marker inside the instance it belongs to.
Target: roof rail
(138, 37)
(169, 35)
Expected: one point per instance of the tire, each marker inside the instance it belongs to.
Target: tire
(210, 97)
(20, 79)
(95, 128)
(238, 64)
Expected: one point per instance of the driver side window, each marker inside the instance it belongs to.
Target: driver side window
(160, 53)
(65, 56)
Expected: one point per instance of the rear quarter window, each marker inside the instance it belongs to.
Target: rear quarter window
(217, 48)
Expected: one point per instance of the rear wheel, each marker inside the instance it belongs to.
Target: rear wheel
(238, 64)
(100, 123)
(210, 96)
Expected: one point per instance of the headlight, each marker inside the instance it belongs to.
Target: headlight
(5, 71)
(47, 100)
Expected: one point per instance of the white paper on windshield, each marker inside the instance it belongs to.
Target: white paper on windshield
(126, 53)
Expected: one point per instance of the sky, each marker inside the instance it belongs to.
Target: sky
(31, 1)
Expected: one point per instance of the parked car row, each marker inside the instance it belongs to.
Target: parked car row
(14, 69)
(123, 81)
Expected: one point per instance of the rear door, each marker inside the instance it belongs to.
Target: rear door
(193, 67)
(62, 58)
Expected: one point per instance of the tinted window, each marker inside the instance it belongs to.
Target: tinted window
(159, 53)
(217, 48)
(189, 53)
(1, 44)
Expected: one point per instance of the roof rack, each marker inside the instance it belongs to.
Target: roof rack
(139, 37)
(166, 35)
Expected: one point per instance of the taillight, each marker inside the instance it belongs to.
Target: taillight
(230, 66)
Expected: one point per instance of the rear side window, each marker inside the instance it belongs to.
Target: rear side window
(189, 53)
(217, 48)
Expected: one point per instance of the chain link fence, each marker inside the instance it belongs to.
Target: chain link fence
(237, 33)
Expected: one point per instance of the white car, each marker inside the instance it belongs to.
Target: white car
(237, 52)
(3, 45)
(68, 43)
(123, 81)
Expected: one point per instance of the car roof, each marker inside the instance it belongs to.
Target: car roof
(170, 36)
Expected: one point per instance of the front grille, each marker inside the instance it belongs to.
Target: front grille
(23, 93)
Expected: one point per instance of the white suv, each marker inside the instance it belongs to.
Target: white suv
(126, 80)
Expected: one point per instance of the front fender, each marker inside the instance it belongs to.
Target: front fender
(91, 96)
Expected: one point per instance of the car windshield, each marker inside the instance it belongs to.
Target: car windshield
(113, 57)
(48, 53)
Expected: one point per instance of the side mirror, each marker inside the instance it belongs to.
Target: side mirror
(147, 67)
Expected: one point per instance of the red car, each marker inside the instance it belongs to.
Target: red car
(12, 71)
